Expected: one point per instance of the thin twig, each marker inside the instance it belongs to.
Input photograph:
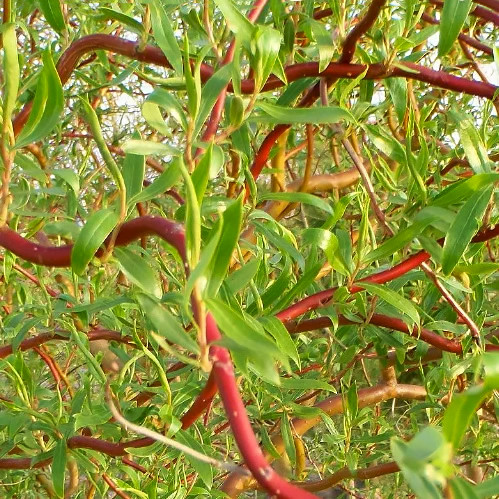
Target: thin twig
(146, 432)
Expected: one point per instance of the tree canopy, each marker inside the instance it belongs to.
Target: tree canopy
(249, 249)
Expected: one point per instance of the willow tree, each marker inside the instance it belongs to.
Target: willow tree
(249, 249)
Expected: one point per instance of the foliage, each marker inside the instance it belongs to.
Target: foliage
(265, 231)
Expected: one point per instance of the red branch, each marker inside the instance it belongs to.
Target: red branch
(319, 299)
(223, 369)
(36, 341)
(216, 112)
(491, 4)
(154, 55)
(312, 95)
(385, 321)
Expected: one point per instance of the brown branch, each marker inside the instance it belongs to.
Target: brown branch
(236, 484)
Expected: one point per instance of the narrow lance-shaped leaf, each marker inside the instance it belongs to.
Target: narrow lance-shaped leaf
(398, 93)
(161, 98)
(52, 12)
(236, 20)
(238, 279)
(91, 237)
(465, 225)
(70, 177)
(472, 143)
(133, 173)
(243, 331)
(132, 23)
(165, 37)
(267, 41)
(464, 188)
(454, 14)
(10, 70)
(395, 299)
(298, 197)
(209, 94)
(201, 174)
(138, 270)
(146, 147)
(193, 96)
(192, 218)
(317, 115)
(47, 105)
(59, 467)
(232, 218)
(324, 43)
(460, 412)
(166, 323)
(168, 178)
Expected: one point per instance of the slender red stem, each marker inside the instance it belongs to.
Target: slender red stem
(319, 299)
(216, 113)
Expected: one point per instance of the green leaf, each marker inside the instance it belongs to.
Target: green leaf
(339, 210)
(94, 367)
(165, 323)
(316, 115)
(70, 177)
(200, 271)
(461, 489)
(201, 174)
(204, 470)
(322, 238)
(464, 189)
(10, 70)
(138, 270)
(280, 242)
(165, 37)
(232, 218)
(414, 459)
(209, 95)
(267, 42)
(460, 412)
(146, 147)
(243, 331)
(193, 92)
(47, 105)
(92, 235)
(398, 92)
(237, 22)
(53, 14)
(488, 488)
(473, 145)
(133, 175)
(298, 197)
(478, 268)
(282, 337)
(324, 43)
(169, 102)
(238, 279)
(287, 437)
(59, 467)
(114, 15)
(30, 168)
(394, 299)
(399, 240)
(386, 143)
(161, 184)
(192, 218)
(491, 367)
(465, 225)
(306, 384)
(454, 14)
